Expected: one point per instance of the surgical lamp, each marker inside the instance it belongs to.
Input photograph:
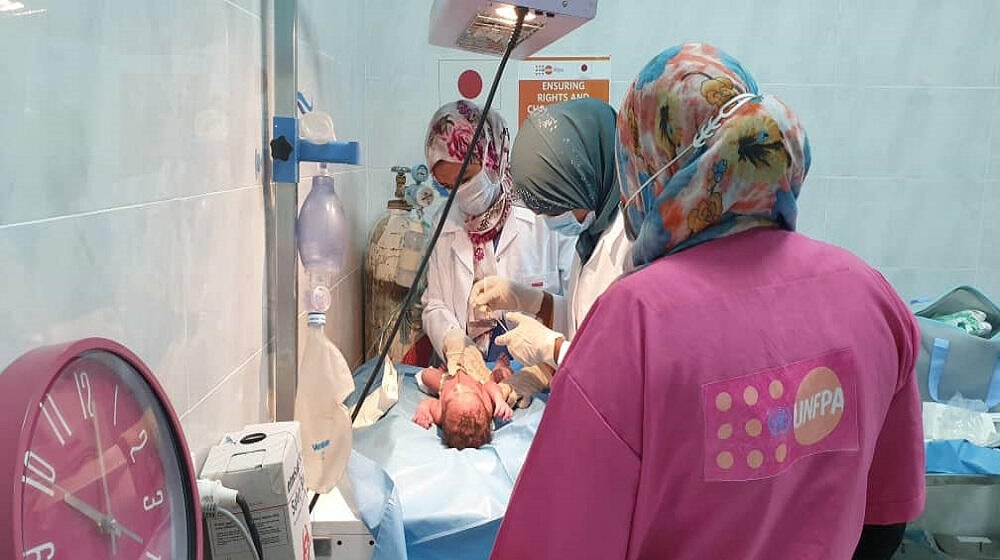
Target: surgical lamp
(485, 27)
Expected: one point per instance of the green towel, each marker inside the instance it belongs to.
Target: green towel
(972, 321)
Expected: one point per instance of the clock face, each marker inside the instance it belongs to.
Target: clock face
(104, 477)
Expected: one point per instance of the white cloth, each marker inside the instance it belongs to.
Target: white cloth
(589, 281)
(527, 252)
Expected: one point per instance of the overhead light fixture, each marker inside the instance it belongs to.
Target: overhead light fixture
(483, 26)
(8, 6)
(506, 11)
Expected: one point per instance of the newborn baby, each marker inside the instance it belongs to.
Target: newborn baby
(466, 405)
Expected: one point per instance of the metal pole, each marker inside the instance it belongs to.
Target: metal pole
(283, 284)
(264, 163)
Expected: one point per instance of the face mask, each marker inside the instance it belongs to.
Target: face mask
(567, 224)
(476, 195)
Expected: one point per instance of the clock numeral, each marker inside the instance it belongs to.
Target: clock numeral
(143, 438)
(52, 413)
(150, 502)
(152, 556)
(43, 470)
(46, 551)
(83, 385)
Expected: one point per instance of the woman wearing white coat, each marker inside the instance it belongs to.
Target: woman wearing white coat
(485, 234)
(564, 169)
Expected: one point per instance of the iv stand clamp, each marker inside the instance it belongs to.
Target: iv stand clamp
(288, 153)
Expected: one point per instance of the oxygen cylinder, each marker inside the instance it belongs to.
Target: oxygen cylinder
(395, 247)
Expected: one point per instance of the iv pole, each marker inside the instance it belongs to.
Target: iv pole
(281, 210)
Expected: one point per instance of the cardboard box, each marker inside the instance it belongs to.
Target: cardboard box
(263, 462)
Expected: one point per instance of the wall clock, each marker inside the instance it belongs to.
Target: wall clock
(94, 459)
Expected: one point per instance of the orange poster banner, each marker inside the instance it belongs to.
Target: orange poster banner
(534, 94)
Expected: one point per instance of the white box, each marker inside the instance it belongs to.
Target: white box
(338, 534)
(263, 462)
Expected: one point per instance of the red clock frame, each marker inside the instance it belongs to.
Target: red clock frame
(24, 385)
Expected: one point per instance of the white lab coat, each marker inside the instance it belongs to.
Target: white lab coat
(588, 281)
(528, 252)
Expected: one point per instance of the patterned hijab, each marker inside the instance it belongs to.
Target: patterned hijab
(718, 162)
(565, 158)
(448, 137)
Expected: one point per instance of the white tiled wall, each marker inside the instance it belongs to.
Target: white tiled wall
(131, 203)
(130, 198)
(901, 100)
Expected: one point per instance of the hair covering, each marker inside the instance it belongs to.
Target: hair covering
(449, 136)
(747, 173)
(565, 159)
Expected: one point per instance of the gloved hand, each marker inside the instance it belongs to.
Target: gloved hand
(474, 364)
(499, 294)
(525, 383)
(530, 342)
(461, 352)
(455, 342)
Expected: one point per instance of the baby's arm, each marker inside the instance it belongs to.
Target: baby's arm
(432, 379)
(500, 407)
(428, 412)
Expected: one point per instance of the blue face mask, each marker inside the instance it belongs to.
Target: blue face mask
(567, 224)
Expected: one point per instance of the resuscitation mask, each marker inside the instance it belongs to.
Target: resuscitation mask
(567, 224)
(704, 133)
(475, 196)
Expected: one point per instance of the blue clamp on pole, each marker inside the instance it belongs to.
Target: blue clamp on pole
(287, 150)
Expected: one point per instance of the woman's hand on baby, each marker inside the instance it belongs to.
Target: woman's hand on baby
(474, 364)
(455, 342)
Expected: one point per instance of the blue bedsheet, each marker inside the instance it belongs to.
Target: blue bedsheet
(451, 502)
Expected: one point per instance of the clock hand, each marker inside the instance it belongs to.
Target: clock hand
(119, 530)
(105, 522)
(79, 505)
(104, 473)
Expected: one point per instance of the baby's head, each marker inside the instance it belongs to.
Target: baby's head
(466, 418)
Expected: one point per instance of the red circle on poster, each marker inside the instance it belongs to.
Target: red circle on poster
(470, 84)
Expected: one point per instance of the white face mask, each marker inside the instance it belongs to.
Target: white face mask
(476, 195)
(567, 224)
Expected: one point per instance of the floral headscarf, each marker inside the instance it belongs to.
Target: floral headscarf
(449, 136)
(565, 157)
(747, 174)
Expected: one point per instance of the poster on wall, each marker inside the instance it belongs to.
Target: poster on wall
(466, 79)
(550, 80)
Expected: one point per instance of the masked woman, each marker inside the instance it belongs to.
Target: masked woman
(485, 234)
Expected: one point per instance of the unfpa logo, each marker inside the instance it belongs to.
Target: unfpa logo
(819, 406)
(544, 69)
